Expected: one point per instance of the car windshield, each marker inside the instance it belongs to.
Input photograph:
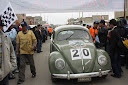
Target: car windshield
(73, 34)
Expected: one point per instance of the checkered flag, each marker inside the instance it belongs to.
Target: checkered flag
(8, 16)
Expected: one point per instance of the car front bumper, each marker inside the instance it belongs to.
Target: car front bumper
(80, 75)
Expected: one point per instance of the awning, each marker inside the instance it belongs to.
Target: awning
(56, 6)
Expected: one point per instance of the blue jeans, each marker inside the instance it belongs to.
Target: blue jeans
(39, 45)
(4, 81)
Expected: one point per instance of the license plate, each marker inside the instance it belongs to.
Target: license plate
(84, 79)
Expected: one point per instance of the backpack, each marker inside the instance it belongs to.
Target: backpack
(125, 37)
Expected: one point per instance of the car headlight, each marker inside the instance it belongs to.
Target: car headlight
(102, 60)
(60, 64)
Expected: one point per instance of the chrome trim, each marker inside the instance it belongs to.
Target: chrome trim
(82, 59)
(100, 73)
(68, 75)
(81, 75)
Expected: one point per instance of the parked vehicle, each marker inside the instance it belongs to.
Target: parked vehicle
(73, 55)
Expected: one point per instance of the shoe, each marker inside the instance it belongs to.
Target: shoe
(41, 51)
(17, 71)
(33, 75)
(113, 75)
(20, 81)
(38, 52)
(27, 63)
(12, 77)
(126, 67)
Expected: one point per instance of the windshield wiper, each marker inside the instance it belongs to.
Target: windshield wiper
(69, 36)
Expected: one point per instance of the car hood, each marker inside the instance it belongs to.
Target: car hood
(78, 54)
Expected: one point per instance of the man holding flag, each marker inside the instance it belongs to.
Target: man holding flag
(7, 56)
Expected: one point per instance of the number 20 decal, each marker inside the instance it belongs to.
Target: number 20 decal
(79, 53)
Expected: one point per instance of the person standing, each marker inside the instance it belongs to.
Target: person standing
(7, 56)
(39, 38)
(17, 26)
(50, 32)
(94, 33)
(11, 32)
(93, 30)
(26, 42)
(102, 33)
(114, 49)
(46, 33)
(125, 51)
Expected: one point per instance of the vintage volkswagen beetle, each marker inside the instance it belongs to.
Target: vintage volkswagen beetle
(73, 55)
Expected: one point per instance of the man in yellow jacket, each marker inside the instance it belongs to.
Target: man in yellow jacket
(26, 42)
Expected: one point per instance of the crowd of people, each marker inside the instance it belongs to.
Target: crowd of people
(17, 46)
(114, 40)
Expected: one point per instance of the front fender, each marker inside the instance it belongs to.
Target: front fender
(97, 66)
(51, 61)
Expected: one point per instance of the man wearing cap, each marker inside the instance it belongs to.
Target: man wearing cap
(102, 33)
(93, 30)
(26, 42)
(7, 56)
(94, 33)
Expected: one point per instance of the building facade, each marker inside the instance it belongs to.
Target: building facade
(34, 20)
(121, 14)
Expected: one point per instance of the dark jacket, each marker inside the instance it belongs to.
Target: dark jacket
(38, 35)
(114, 39)
(116, 44)
(17, 28)
(102, 33)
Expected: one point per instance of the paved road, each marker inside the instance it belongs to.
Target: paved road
(43, 74)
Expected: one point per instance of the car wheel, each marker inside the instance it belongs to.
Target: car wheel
(53, 79)
(104, 76)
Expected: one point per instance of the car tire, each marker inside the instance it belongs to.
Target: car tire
(54, 80)
(104, 76)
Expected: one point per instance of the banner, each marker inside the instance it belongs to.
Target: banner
(8, 16)
(56, 6)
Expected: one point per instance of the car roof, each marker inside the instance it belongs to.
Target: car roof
(68, 27)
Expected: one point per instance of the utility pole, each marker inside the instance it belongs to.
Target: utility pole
(82, 18)
(124, 9)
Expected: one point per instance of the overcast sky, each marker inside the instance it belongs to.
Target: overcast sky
(62, 18)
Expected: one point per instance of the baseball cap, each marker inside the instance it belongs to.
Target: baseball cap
(96, 22)
(23, 23)
(102, 21)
